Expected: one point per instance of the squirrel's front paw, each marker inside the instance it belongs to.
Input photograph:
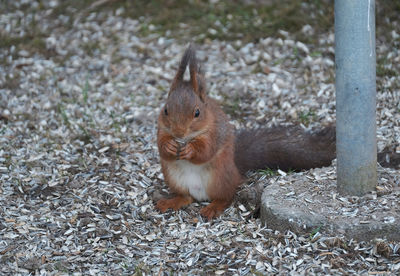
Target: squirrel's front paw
(186, 152)
(171, 148)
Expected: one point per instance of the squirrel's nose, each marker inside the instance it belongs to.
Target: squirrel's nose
(179, 132)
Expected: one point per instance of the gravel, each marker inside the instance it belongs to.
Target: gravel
(79, 168)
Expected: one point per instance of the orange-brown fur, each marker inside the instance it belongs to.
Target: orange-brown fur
(213, 145)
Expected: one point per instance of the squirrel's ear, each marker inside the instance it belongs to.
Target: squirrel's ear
(197, 78)
(201, 84)
(182, 68)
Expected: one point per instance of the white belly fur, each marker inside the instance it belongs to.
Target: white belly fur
(194, 178)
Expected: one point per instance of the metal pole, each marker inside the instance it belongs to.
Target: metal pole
(355, 96)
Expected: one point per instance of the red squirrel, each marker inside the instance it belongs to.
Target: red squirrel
(203, 159)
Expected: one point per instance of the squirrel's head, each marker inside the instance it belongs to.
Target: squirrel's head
(185, 113)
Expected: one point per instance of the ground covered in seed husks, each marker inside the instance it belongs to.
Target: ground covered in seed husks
(80, 89)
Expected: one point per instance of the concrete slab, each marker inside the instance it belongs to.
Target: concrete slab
(308, 201)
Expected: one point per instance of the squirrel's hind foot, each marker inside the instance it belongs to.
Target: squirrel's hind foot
(214, 209)
(174, 203)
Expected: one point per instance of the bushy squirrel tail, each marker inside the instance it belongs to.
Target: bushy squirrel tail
(285, 148)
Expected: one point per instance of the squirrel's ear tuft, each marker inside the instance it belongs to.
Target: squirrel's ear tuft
(197, 79)
(187, 56)
(201, 84)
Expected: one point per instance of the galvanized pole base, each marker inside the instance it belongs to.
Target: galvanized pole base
(355, 96)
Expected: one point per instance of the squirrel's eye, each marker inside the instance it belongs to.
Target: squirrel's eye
(197, 113)
(165, 111)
